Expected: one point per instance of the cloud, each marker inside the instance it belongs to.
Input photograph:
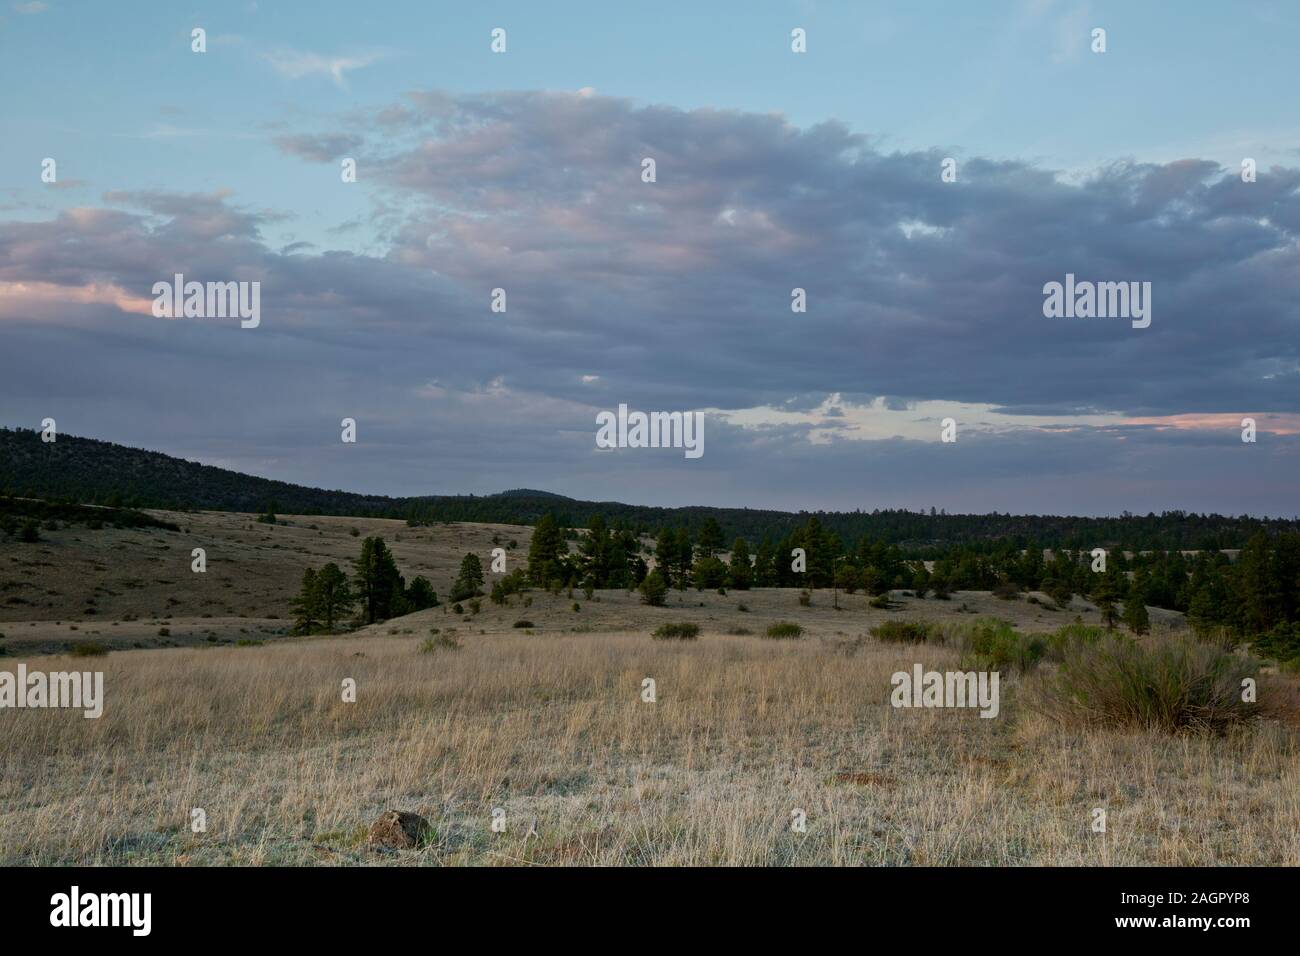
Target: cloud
(296, 64)
(924, 299)
(34, 7)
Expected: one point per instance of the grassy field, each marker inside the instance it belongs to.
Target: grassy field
(547, 723)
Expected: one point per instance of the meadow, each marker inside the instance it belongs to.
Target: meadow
(458, 716)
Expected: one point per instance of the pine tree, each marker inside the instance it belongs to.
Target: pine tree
(666, 555)
(710, 542)
(685, 559)
(1135, 613)
(420, 594)
(469, 582)
(380, 586)
(333, 593)
(653, 589)
(546, 552)
(742, 572)
(306, 606)
(1104, 596)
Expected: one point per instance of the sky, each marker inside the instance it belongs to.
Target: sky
(523, 170)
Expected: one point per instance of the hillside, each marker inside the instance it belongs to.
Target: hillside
(91, 471)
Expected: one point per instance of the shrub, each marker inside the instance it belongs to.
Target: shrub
(577, 606)
(784, 629)
(1280, 644)
(164, 632)
(881, 602)
(457, 609)
(805, 599)
(1071, 635)
(680, 631)
(996, 645)
(247, 642)
(439, 642)
(421, 595)
(906, 632)
(29, 532)
(1166, 683)
(1007, 591)
(523, 624)
(88, 649)
(653, 589)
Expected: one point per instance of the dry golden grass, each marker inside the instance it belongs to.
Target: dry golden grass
(551, 726)
(122, 586)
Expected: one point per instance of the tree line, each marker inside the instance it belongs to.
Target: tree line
(86, 471)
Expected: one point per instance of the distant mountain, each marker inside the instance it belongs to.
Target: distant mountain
(89, 471)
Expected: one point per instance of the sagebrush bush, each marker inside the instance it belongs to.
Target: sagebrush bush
(681, 631)
(905, 632)
(88, 649)
(439, 641)
(1071, 635)
(523, 624)
(783, 629)
(1168, 682)
(996, 646)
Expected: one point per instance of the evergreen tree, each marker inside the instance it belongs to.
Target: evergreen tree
(1135, 613)
(595, 552)
(380, 587)
(420, 594)
(306, 606)
(765, 572)
(711, 541)
(653, 589)
(469, 582)
(546, 552)
(709, 573)
(666, 555)
(1104, 596)
(742, 572)
(334, 596)
(685, 558)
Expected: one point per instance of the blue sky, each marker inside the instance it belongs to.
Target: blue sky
(116, 90)
(777, 170)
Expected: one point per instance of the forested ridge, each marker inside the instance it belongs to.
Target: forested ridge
(88, 471)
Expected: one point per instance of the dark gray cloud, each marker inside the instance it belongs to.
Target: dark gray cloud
(676, 295)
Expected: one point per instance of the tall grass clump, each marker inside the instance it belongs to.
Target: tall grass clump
(678, 631)
(784, 629)
(907, 632)
(997, 646)
(1168, 682)
(1071, 635)
(88, 649)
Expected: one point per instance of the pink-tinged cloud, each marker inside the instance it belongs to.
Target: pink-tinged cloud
(18, 298)
(1276, 424)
